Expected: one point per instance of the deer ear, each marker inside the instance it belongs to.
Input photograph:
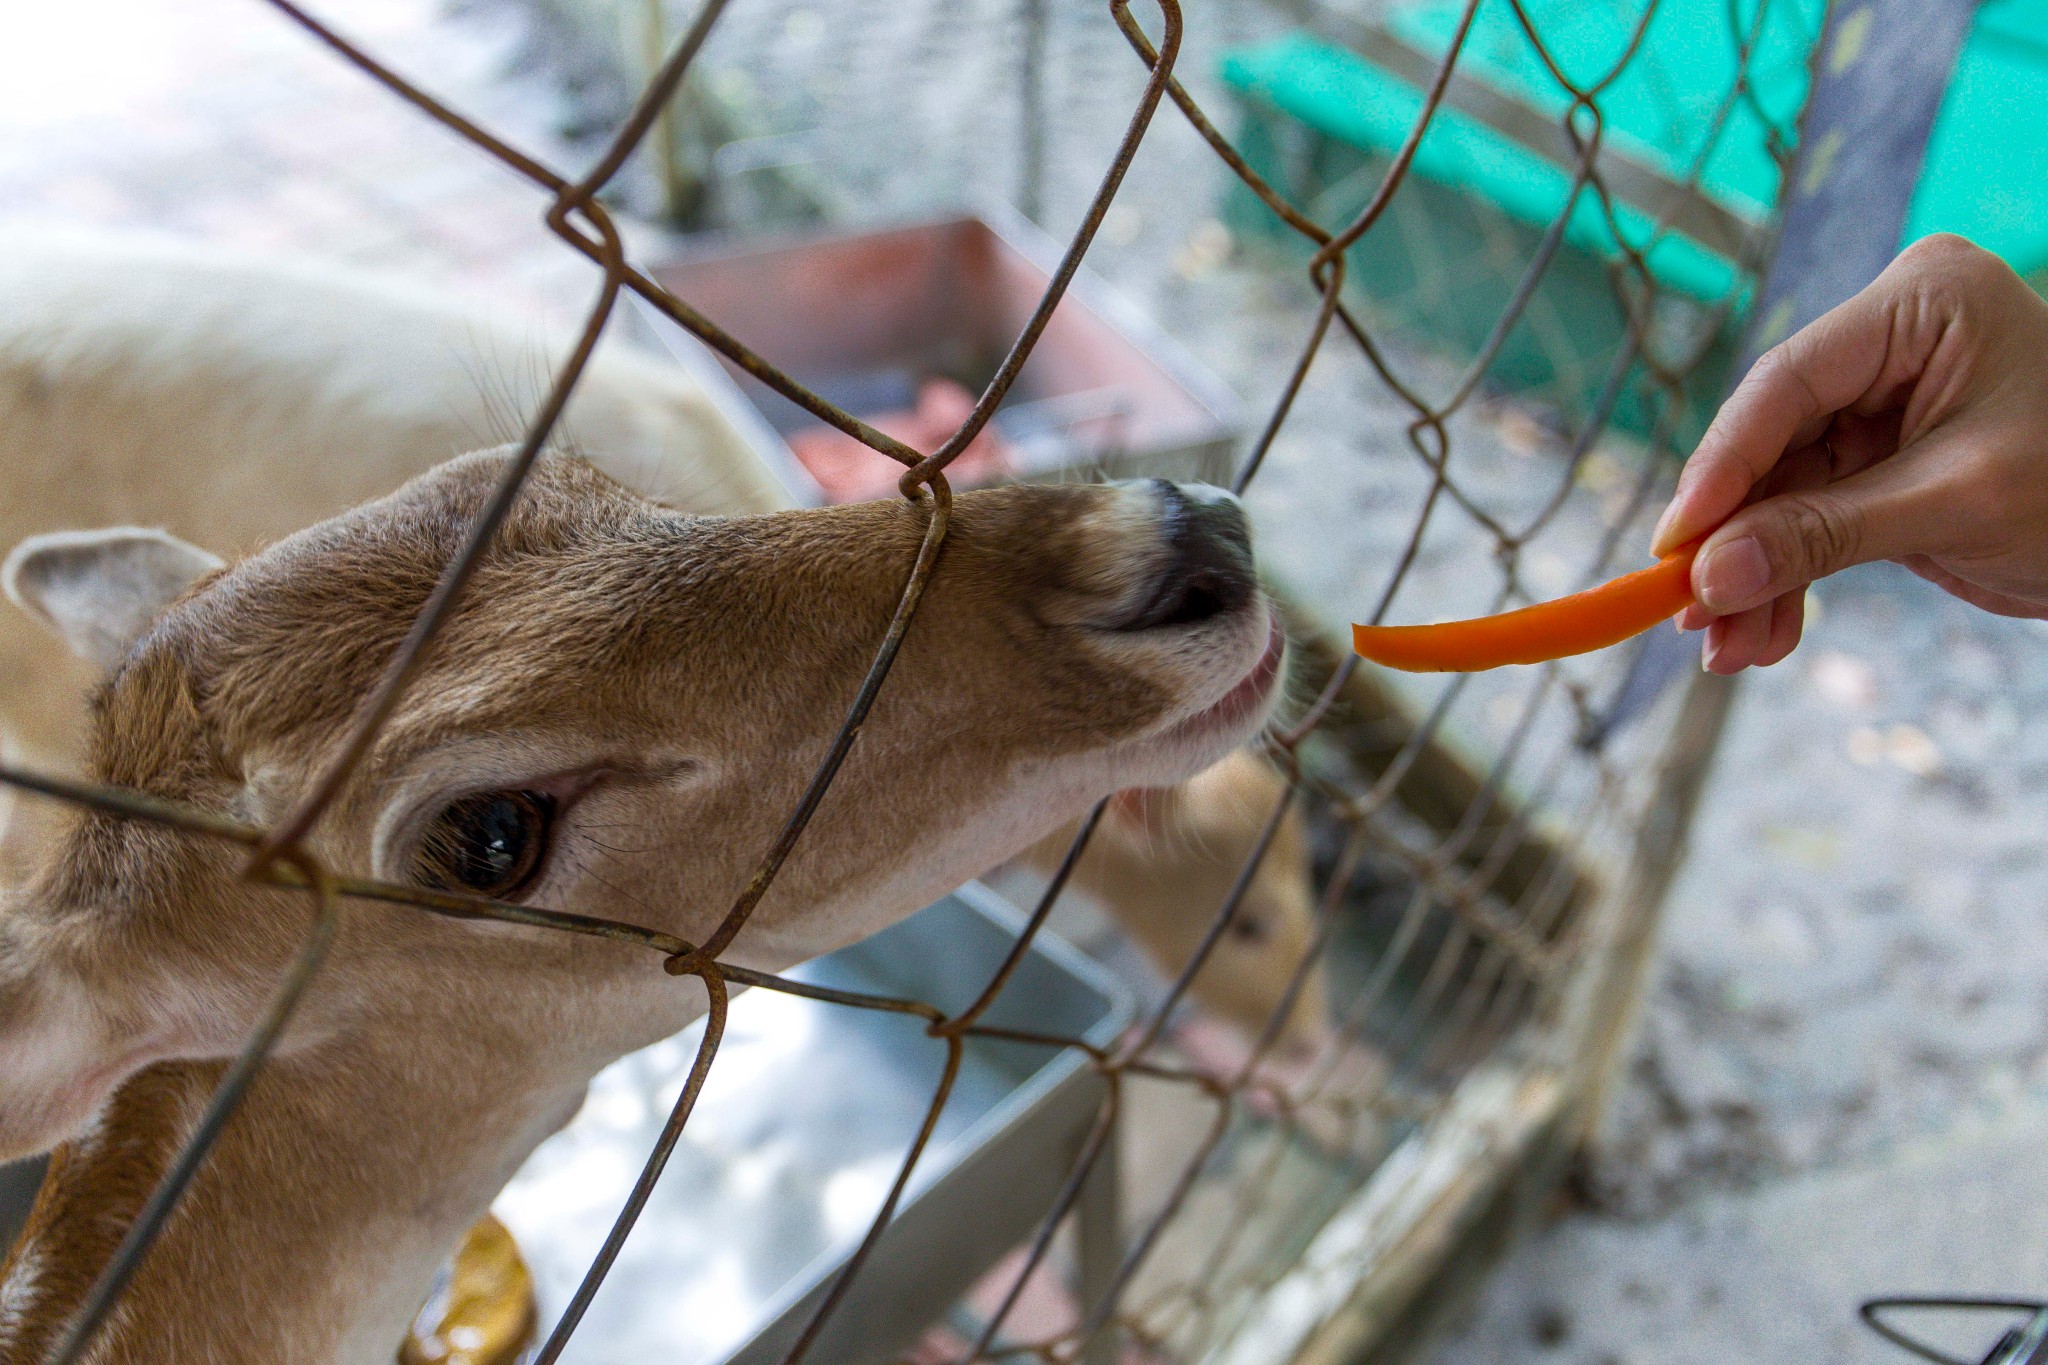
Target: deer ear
(99, 590)
(57, 1071)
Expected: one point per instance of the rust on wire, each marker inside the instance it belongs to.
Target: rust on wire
(1070, 261)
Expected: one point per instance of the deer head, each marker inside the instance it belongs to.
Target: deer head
(615, 721)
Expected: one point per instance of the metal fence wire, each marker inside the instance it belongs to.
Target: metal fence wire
(1485, 971)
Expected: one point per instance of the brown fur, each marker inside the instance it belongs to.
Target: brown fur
(679, 677)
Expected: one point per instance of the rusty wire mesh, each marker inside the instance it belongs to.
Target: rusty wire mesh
(1502, 890)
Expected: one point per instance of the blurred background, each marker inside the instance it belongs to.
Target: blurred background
(1840, 1082)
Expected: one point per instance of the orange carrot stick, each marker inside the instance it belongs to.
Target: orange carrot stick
(1584, 621)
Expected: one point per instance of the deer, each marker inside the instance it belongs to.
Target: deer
(232, 400)
(614, 665)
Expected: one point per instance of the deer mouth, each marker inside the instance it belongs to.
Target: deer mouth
(1249, 698)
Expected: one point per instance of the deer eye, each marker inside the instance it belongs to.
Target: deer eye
(492, 843)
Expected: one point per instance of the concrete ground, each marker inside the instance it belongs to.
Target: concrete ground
(1775, 1273)
(1839, 1087)
(1841, 1082)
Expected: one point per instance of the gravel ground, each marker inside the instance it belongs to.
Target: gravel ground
(1854, 953)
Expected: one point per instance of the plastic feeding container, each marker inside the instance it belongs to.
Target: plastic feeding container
(905, 326)
(799, 1131)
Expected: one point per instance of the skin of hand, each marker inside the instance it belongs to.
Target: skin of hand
(1909, 424)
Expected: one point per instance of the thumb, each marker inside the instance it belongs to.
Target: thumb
(1783, 543)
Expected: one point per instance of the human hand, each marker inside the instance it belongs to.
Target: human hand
(1910, 424)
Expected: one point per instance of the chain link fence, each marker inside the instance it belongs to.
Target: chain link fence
(1488, 850)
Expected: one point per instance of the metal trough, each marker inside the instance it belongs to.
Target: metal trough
(801, 1128)
(865, 317)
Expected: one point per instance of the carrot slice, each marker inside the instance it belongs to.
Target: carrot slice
(1584, 621)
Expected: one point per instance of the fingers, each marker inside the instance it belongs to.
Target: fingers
(1788, 622)
(1897, 507)
(1926, 568)
(1785, 401)
(1756, 638)
(1809, 467)
(1736, 573)
(1733, 641)
(1899, 426)
(1853, 360)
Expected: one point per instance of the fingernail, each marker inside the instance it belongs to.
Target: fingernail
(1664, 521)
(1732, 575)
(1709, 647)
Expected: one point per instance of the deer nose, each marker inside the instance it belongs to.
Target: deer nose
(1208, 567)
